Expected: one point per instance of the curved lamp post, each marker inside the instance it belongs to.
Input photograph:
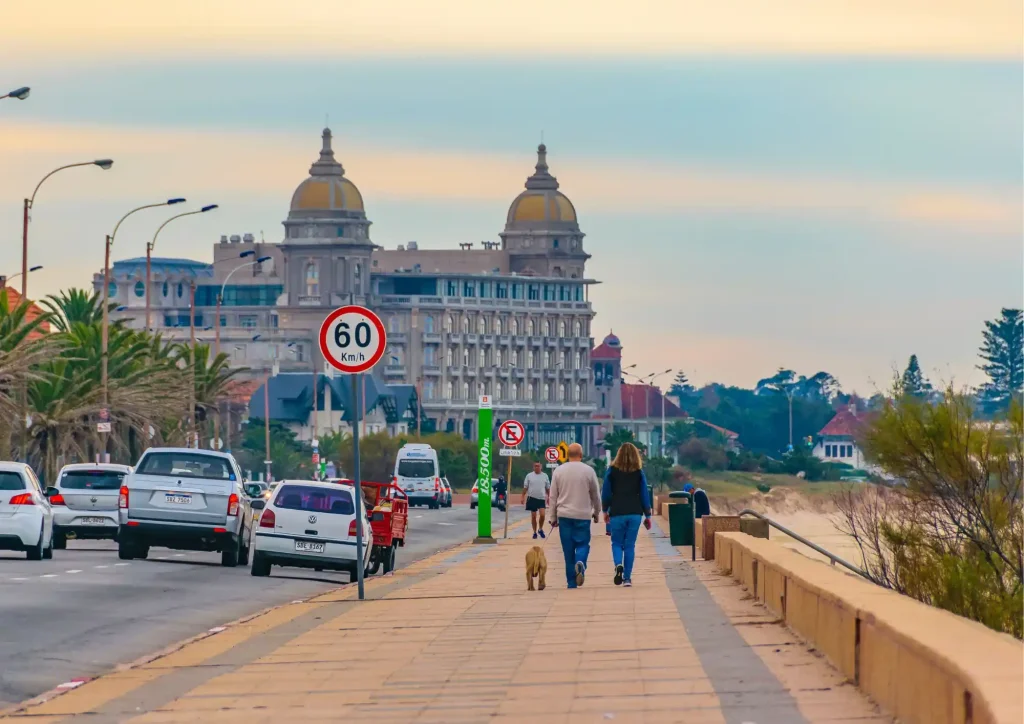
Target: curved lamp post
(103, 163)
(5, 280)
(19, 93)
(104, 357)
(151, 244)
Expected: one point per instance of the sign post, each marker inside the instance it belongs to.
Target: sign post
(352, 341)
(483, 474)
(510, 434)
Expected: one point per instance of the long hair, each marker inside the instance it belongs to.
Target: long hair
(627, 459)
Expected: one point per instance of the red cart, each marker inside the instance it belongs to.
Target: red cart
(387, 507)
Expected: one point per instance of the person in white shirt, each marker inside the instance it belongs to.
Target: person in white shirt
(535, 495)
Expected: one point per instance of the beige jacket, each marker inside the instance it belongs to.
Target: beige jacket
(574, 492)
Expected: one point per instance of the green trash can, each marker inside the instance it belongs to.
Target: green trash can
(680, 519)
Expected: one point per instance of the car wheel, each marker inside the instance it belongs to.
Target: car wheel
(260, 564)
(472, 506)
(35, 553)
(125, 550)
(142, 552)
(60, 541)
(230, 556)
(389, 560)
(375, 559)
(48, 551)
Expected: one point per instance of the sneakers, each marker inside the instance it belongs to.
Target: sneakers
(627, 583)
(618, 575)
(535, 535)
(541, 533)
(580, 569)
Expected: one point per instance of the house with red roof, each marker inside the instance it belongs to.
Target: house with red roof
(837, 441)
(34, 311)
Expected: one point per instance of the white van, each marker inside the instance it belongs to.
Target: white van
(418, 474)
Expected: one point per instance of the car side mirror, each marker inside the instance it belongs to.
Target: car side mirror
(253, 491)
(50, 492)
(258, 504)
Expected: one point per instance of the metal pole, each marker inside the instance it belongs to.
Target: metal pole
(193, 430)
(266, 424)
(216, 354)
(508, 494)
(105, 337)
(790, 397)
(149, 278)
(662, 424)
(24, 250)
(358, 486)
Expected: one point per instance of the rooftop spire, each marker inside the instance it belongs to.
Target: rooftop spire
(542, 179)
(326, 165)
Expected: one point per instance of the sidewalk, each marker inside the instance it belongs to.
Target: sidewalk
(458, 638)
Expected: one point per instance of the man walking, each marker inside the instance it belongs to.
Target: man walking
(535, 495)
(575, 502)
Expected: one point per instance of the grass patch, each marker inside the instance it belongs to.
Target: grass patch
(735, 484)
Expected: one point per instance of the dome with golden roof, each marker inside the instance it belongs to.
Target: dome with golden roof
(326, 189)
(542, 205)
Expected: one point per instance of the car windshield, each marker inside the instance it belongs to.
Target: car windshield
(314, 499)
(416, 468)
(11, 481)
(91, 480)
(186, 465)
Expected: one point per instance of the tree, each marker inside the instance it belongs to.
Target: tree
(614, 439)
(952, 535)
(681, 386)
(678, 432)
(913, 381)
(74, 306)
(1002, 348)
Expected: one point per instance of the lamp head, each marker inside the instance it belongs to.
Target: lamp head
(104, 163)
(211, 207)
(36, 268)
(262, 259)
(172, 202)
(244, 254)
(20, 93)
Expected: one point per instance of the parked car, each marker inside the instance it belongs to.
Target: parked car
(185, 499)
(418, 474)
(447, 490)
(84, 502)
(310, 524)
(474, 494)
(26, 518)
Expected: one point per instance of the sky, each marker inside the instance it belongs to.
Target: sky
(809, 184)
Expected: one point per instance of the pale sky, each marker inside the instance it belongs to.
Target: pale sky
(803, 183)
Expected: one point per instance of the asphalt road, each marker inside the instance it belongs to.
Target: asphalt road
(85, 611)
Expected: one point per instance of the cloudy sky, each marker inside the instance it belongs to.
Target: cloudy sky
(814, 184)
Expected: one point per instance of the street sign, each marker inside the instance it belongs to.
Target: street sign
(102, 427)
(352, 339)
(551, 454)
(510, 452)
(511, 433)
(551, 466)
(316, 458)
(563, 451)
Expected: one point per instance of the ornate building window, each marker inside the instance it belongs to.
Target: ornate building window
(530, 328)
(547, 359)
(312, 279)
(449, 324)
(451, 357)
(529, 391)
(357, 272)
(515, 392)
(481, 324)
(497, 325)
(561, 328)
(547, 392)
(140, 289)
(577, 328)
(166, 290)
(428, 324)
(465, 390)
(581, 392)
(547, 328)
(514, 358)
(497, 358)
(530, 359)
(483, 357)
(514, 327)
(465, 325)
(341, 275)
(501, 390)
(451, 390)
(579, 361)
(465, 356)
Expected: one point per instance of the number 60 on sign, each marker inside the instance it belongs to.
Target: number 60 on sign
(352, 339)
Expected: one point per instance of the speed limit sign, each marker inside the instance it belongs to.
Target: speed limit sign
(352, 339)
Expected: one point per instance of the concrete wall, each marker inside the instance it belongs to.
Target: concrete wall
(920, 663)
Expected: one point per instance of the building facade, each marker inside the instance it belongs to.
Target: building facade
(510, 318)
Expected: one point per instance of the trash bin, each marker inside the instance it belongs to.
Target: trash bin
(680, 519)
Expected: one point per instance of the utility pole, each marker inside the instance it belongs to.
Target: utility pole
(193, 439)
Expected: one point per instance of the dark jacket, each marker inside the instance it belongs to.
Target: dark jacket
(701, 504)
(625, 493)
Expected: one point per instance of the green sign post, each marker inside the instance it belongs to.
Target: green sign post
(485, 449)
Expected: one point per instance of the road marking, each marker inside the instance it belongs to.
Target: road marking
(101, 566)
(74, 570)
(179, 555)
(122, 564)
(162, 558)
(418, 516)
(19, 579)
(446, 523)
(48, 575)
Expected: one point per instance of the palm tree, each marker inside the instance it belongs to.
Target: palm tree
(74, 306)
(214, 377)
(21, 348)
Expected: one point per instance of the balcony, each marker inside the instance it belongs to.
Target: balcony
(308, 301)
(431, 338)
(454, 371)
(469, 371)
(551, 373)
(551, 341)
(519, 372)
(488, 372)
(584, 373)
(536, 341)
(432, 370)
(454, 338)
(487, 339)
(519, 341)
(398, 337)
(504, 372)
(472, 338)
(568, 341)
(394, 370)
(504, 339)
(535, 374)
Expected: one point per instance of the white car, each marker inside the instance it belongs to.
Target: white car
(84, 501)
(474, 494)
(418, 473)
(309, 524)
(26, 519)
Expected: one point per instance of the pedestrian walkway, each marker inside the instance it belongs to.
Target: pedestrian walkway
(457, 638)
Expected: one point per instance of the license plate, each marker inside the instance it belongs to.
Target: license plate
(309, 547)
(93, 521)
(178, 499)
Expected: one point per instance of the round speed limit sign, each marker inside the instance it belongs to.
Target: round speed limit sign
(352, 339)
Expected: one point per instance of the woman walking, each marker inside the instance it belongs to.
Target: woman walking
(627, 503)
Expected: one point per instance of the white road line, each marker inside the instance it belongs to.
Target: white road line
(74, 570)
(446, 523)
(18, 579)
(122, 564)
(161, 558)
(179, 555)
(48, 575)
(101, 566)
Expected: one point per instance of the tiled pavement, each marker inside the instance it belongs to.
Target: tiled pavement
(458, 638)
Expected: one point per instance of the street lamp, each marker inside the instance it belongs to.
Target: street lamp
(654, 376)
(104, 381)
(4, 280)
(103, 163)
(150, 245)
(19, 93)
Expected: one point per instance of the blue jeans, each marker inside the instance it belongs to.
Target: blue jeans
(575, 537)
(624, 531)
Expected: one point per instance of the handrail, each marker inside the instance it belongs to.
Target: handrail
(796, 536)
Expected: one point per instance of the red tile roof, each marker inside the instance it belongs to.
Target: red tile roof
(240, 391)
(34, 311)
(845, 423)
(634, 406)
(727, 433)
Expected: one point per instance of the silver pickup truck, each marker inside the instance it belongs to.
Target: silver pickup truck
(188, 500)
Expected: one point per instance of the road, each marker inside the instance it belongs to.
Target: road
(85, 611)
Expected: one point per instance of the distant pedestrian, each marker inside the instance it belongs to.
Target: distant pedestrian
(627, 504)
(536, 486)
(701, 505)
(575, 501)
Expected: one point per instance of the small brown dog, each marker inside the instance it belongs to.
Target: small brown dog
(536, 567)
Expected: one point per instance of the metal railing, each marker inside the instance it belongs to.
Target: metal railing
(796, 536)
